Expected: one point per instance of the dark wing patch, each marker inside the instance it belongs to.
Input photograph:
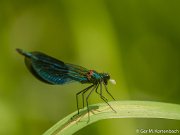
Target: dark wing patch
(47, 69)
(78, 73)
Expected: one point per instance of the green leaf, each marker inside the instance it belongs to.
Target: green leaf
(124, 109)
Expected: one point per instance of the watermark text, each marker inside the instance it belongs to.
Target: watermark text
(158, 131)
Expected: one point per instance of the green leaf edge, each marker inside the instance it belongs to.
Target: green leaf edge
(124, 109)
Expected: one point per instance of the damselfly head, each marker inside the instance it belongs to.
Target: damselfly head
(105, 77)
(112, 81)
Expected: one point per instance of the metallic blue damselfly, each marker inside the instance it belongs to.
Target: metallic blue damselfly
(52, 71)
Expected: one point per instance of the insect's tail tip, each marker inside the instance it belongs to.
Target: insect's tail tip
(20, 51)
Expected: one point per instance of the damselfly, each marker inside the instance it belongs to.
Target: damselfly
(53, 71)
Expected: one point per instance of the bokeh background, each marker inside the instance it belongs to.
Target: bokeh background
(137, 42)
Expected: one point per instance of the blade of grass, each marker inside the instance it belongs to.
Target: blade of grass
(124, 109)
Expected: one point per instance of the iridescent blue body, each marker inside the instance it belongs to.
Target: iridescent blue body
(53, 71)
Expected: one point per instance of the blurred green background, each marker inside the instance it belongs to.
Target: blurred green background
(137, 42)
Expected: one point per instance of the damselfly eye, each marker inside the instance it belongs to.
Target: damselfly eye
(106, 77)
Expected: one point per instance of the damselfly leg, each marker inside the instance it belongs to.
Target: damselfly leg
(84, 90)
